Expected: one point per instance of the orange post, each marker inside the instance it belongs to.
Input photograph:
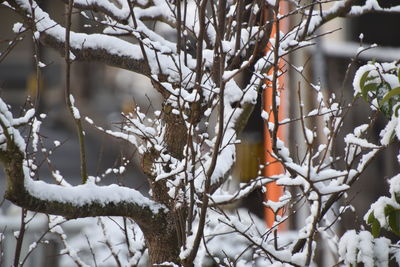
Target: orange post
(274, 192)
(273, 167)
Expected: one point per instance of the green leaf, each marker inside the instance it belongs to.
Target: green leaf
(376, 228)
(375, 225)
(389, 209)
(394, 222)
(371, 218)
(390, 94)
(396, 112)
(367, 88)
(363, 79)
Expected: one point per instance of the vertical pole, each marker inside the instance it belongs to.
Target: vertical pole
(273, 167)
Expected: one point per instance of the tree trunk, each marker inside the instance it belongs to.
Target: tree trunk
(163, 248)
(163, 245)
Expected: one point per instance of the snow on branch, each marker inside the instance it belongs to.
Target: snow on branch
(107, 7)
(85, 200)
(84, 47)
(220, 197)
(372, 6)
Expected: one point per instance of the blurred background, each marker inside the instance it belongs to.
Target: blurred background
(103, 92)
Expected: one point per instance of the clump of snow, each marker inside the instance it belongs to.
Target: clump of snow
(41, 64)
(309, 135)
(357, 77)
(36, 35)
(25, 119)
(16, 234)
(75, 111)
(89, 120)
(348, 247)
(18, 27)
(361, 247)
(378, 210)
(395, 185)
(35, 133)
(32, 246)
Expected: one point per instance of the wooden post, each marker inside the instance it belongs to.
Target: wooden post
(273, 167)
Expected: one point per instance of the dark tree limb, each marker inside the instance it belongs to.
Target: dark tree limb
(109, 51)
(23, 191)
(17, 193)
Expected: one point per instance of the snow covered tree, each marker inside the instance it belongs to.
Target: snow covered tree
(214, 70)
